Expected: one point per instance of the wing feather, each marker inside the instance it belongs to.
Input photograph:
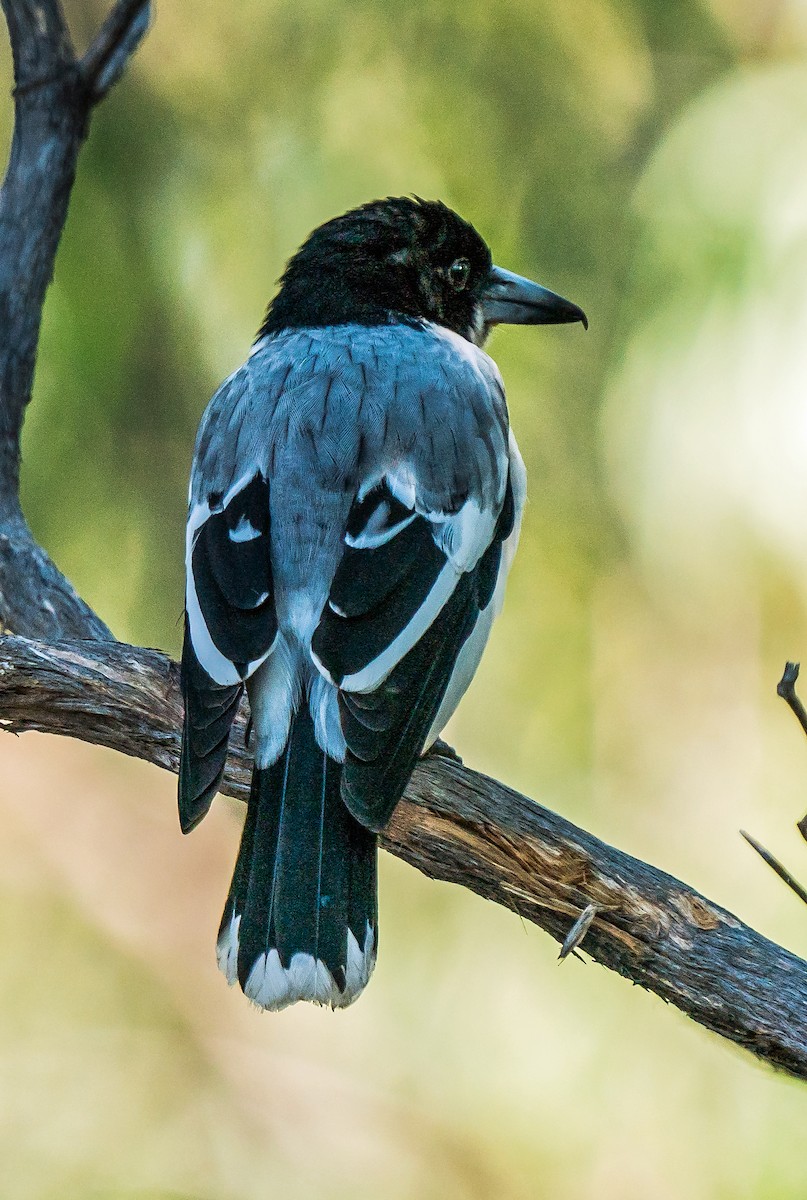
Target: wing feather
(232, 576)
(379, 593)
(230, 629)
(209, 713)
(236, 545)
(378, 590)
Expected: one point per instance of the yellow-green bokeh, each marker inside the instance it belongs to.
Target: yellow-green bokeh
(647, 160)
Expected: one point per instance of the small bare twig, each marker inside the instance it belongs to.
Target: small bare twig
(776, 866)
(117, 40)
(786, 688)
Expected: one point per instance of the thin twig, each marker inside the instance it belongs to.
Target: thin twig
(786, 688)
(117, 40)
(776, 866)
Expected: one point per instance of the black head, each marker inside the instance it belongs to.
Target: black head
(410, 260)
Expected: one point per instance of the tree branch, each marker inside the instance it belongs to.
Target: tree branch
(458, 825)
(53, 96)
(117, 40)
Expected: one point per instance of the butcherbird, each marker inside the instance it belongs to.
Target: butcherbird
(355, 503)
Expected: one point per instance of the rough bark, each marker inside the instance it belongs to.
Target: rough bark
(53, 97)
(458, 825)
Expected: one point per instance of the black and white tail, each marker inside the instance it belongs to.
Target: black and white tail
(408, 610)
(300, 921)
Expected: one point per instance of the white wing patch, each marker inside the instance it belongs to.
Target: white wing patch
(465, 536)
(471, 653)
(220, 668)
(244, 531)
(377, 671)
(401, 566)
(379, 529)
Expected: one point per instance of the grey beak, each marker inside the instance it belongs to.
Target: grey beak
(510, 299)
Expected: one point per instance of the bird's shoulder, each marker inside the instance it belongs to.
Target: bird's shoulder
(421, 353)
(396, 389)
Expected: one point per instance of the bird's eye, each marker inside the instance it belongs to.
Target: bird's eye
(459, 273)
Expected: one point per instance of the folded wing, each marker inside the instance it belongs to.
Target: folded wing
(408, 593)
(230, 629)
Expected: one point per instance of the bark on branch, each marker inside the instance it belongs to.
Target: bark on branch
(453, 823)
(457, 825)
(54, 95)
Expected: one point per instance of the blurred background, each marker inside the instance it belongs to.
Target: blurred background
(649, 161)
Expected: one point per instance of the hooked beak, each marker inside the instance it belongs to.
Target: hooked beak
(510, 299)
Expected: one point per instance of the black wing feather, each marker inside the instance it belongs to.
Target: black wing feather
(379, 762)
(385, 730)
(376, 591)
(209, 713)
(234, 578)
(241, 569)
(368, 579)
(233, 582)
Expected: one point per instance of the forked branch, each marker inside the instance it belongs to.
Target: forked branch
(54, 95)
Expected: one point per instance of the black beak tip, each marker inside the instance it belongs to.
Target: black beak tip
(513, 300)
(574, 313)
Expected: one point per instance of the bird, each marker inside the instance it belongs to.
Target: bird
(354, 507)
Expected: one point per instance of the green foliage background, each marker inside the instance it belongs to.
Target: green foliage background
(648, 161)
